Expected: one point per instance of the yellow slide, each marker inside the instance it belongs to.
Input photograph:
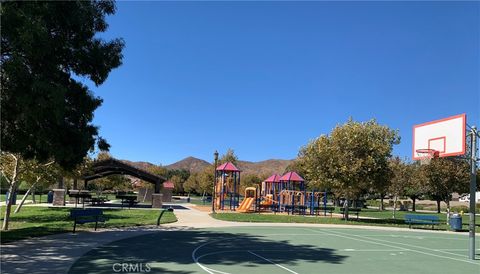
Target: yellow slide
(245, 205)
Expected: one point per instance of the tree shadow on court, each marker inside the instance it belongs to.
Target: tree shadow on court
(178, 251)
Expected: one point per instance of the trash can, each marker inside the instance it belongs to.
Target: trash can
(50, 197)
(14, 202)
(456, 222)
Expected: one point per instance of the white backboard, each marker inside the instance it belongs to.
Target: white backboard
(447, 136)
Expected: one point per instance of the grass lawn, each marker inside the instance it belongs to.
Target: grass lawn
(197, 200)
(383, 218)
(44, 197)
(34, 221)
(20, 196)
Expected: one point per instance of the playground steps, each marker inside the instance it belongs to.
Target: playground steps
(245, 205)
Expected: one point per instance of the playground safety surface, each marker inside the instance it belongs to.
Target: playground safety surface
(285, 250)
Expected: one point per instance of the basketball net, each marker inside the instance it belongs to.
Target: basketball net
(426, 155)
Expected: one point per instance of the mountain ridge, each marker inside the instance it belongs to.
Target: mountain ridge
(195, 165)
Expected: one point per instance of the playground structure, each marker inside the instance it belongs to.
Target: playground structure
(227, 182)
(285, 193)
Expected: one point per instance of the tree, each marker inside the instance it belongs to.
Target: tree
(205, 180)
(399, 181)
(351, 160)
(192, 184)
(177, 183)
(444, 176)
(34, 174)
(250, 180)
(416, 188)
(229, 156)
(46, 112)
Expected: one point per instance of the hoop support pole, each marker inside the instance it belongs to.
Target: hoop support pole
(473, 189)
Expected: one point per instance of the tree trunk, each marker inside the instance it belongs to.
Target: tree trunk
(6, 219)
(448, 211)
(438, 206)
(22, 201)
(25, 197)
(60, 182)
(413, 203)
(380, 207)
(75, 183)
(33, 196)
(394, 206)
(345, 206)
(11, 190)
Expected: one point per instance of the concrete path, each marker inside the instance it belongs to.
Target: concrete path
(57, 253)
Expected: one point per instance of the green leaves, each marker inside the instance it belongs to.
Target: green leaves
(46, 113)
(351, 160)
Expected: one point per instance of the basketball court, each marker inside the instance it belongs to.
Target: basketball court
(286, 250)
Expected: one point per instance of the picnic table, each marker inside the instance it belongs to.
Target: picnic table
(129, 200)
(84, 195)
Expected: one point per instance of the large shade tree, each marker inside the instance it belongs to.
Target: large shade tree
(444, 176)
(46, 46)
(352, 159)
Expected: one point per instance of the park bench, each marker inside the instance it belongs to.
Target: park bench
(421, 219)
(83, 216)
(329, 209)
(354, 210)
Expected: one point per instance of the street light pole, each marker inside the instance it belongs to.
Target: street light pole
(215, 156)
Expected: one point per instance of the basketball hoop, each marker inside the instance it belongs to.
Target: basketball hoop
(425, 155)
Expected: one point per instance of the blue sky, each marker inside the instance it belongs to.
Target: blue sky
(264, 78)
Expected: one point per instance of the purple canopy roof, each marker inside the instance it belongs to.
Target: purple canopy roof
(292, 176)
(228, 167)
(275, 178)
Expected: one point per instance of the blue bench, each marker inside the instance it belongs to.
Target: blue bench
(83, 216)
(421, 219)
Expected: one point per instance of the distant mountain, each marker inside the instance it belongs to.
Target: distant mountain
(191, 164)
(139, 165)
(267, 167)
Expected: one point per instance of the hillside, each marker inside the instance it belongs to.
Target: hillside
(139, 165)
(192, 164)
(267, 167)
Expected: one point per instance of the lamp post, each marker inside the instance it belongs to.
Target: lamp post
(215, 155)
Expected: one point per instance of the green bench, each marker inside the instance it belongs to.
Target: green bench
(83, 216)
(411, 219)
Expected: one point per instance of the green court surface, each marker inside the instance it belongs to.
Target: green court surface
(285, 250)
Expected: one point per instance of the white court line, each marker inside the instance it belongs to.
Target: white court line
(195, 258)
(415, 246)
(422, 237)
(281, 266)
(379, 243)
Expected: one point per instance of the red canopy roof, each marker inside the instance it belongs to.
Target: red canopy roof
(168, 184)
(228, 167)
(275, 178)
(292, 176)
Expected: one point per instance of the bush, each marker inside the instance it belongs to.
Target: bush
(459, 208)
